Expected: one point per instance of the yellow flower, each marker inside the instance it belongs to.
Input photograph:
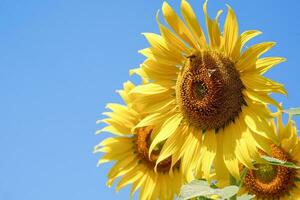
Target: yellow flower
(277, 182)
(207, 94)
(129, 148)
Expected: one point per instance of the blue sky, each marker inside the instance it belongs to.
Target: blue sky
(61, 62)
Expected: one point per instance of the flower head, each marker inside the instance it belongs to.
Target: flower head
(129, 148)
(277, 182)
(206, 95)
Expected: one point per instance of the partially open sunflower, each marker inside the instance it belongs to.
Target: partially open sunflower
(129, 148)
(207, 93)
(277, 182)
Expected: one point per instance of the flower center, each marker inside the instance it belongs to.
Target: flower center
(269, 181)
(143, 139)
(209, 90)
(200, 90)
(265, 172)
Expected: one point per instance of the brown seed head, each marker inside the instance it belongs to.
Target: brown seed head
(269, 181)
(209, 90)
(143, 136)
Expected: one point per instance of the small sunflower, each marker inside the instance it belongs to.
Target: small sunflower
(277, 182)
(129, 148)
(208, 94)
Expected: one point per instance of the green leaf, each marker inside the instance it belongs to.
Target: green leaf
(200, 188)
(228, 191)
(296, 179)
(243, 175)
(232, 180)
(293, 111)
(246, 197)
(195, 189)
(275, 161)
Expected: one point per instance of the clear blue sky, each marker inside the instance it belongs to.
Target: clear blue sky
(61, 62)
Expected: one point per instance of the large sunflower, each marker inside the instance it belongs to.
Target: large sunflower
(208, 94)
(129, 148)
(277, 182)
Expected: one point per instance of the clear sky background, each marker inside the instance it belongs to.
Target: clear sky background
(61, 62)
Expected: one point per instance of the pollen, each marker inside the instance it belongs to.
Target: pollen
(269, 181)
(209, 90)
(142, 142)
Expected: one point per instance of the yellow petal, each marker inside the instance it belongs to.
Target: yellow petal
(149, 89)
(152, 119)
(159, 72)
(122, 110)
(289, 144)
(295, 153)
(117, 130)
(244, 37)
(129, 177)
(258, 97)
(165, 190)
(167, 70)
(120, 119)
(171, 38)
(230, 31)
(258, 83)
(209, 152)
(148, 187)
(161, 106)
(197, 152)
(258, 125)
(221, 169)
(169, 127)
(157, 56)
(288, 136)
(120, 168)
(116, 127)
(254, 140)
(136, 185)
(248, 59)
(177, 25)
(115, 141)
(106, 158)
(160, 45)
(216, 31)
(241, 150)
(252, 144)
(172, 146)
(248, 35)
(212, 28)
(156, 191)
(196, 135)
(147, 101)
(264, 64)
(262, 143)
(261, 109)
(192, 22)
(139, 72)
(128, 86)
(229, 146)
(282, 133)
(190, 149)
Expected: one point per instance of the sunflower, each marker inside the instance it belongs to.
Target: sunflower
(277, 182)
(208, 93)
(129, 148)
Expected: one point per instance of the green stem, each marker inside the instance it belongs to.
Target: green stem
(243, 175)
(238, 183)
(233, 182)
